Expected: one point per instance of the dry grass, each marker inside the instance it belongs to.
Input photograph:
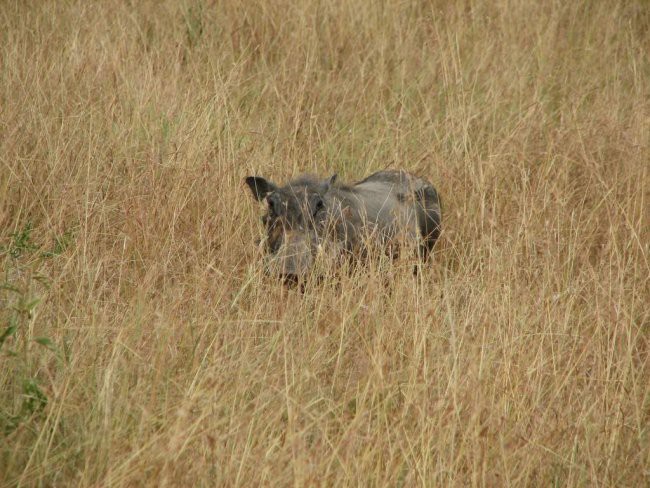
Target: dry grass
(164, 356)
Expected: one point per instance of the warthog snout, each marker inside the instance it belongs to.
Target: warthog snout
(292, 258)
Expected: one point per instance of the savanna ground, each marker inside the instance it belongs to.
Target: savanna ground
(142, 345)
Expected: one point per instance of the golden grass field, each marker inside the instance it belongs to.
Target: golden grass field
(142, 345)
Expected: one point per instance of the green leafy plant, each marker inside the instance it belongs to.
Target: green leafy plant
(19, 304)
(21, 241)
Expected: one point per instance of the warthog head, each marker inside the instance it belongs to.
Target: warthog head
(296, 221)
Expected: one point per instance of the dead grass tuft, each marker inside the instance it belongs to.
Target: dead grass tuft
(140, 343)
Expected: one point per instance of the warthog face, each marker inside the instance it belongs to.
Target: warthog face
(309, 218)
(296, 222)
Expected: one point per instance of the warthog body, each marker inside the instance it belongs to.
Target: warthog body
(308, 216)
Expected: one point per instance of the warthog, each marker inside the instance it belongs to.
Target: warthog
(309, 216)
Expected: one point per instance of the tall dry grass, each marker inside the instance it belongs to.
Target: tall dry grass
(142, 344)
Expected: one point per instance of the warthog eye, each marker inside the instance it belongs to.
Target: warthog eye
(274, 202)
(318, 206)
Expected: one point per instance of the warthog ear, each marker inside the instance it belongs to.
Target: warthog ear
(260, 187)
(329, 182)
